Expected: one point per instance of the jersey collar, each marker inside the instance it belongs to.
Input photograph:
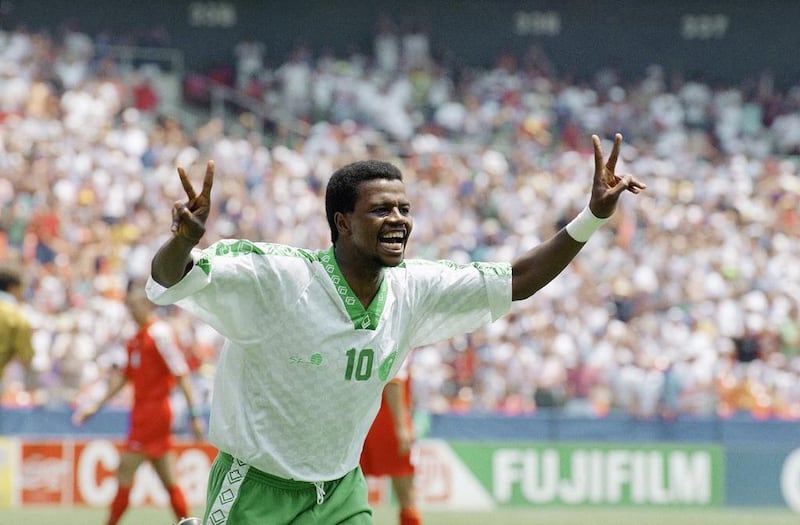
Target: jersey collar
(363, 318)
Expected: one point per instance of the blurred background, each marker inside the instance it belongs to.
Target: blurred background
(665, 359)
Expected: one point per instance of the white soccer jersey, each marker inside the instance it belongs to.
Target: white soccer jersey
(300, 377)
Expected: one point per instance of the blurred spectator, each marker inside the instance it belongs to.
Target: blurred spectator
(249, 54)
(386, 46)
(145, 96)
(295, 81)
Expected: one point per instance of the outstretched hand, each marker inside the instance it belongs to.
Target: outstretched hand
(189, 217)
(607, 185)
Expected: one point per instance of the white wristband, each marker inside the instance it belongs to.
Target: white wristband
(584, 225)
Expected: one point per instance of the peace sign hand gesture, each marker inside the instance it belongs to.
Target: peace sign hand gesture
(607, 185)
(189, 218)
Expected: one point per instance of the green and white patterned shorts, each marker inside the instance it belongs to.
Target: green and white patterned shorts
(239, 494)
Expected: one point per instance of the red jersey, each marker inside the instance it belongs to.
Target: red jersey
(381, 454)
(154, 362)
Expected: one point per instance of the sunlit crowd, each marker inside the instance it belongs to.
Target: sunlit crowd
(687, 302)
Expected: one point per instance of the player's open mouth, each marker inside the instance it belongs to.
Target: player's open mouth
(393, 241)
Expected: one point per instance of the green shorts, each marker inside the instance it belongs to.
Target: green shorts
(239, 494)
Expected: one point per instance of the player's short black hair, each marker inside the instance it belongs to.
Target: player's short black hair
(342, 191)
(10, 277)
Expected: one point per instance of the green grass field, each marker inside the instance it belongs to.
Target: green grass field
(386, 516)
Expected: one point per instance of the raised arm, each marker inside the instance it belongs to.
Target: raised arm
(173, 259)
(540, 265)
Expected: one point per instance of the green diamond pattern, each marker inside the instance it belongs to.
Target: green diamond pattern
(226, 496)
(234, 476)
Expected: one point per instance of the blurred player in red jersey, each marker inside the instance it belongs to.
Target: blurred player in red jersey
(155, 365)
(387, 449)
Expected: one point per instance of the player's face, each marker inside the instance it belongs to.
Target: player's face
(380, 224)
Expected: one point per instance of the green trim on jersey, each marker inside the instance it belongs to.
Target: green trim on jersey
(205, 264)
(363, 319)
(236, 247)
(492, 268)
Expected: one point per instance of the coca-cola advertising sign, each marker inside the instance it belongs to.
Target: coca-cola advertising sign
(46, 473)
(83, 473)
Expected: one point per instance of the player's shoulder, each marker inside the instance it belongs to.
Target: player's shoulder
(12, 314)
(446, 265)
(412, 264)
(426, 267)
(242, 247)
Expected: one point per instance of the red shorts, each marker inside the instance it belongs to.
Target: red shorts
(150, 429)
(381, 455)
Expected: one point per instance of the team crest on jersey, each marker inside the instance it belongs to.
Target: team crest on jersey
(386, 366)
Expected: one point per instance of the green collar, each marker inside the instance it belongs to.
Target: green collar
(363, 319)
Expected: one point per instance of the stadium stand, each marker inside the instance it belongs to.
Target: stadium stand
(701, 313)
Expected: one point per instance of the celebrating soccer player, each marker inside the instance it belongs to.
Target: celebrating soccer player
(313, 336)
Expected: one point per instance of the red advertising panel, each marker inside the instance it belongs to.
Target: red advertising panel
(46, 473)
(83, 473)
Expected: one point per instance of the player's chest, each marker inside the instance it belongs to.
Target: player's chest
(142, 353)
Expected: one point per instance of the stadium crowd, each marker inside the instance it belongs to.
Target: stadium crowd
(688, 302)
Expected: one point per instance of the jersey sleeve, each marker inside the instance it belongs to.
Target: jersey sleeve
(449, 299)
(163, 337)
(238, 287)
(195, 280)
